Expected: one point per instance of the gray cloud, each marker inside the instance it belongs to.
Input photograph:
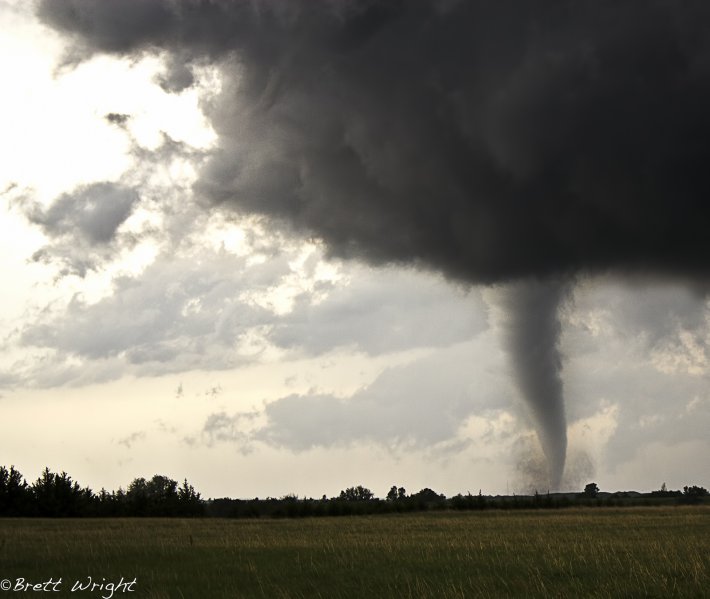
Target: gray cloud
(653, 407)
(129, 440)
(83, 225)
(625, 348)
(222, 427)
(200, 308)
(650, 317)
(381, 311)
(116, 118)
(175, 315)
(658, 312)
(177, 75)
(418, 405)
(92, 212)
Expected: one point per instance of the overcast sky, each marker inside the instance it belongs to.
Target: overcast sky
(199, 283)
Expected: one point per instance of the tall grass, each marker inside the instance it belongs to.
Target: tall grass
(649, 552)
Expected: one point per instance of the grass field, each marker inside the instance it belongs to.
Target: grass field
(646, 552)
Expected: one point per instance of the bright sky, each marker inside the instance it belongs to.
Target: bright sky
(144, 333)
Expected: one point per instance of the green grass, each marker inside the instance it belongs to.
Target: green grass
(645, 552)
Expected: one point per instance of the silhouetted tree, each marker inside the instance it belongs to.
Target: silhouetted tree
(664, 492)
(695, 491)
(429, 496)
(14, 493)
(358, 493)
(426, 499)
(158, 496)
(118, 502)
(162, 496)
(56, 495)
(396, 493)
(189, 500)
(591, 490)
(137, 497)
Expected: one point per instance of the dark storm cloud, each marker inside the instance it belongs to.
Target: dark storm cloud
(488, 140)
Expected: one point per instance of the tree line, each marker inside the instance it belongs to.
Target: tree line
(57, 495)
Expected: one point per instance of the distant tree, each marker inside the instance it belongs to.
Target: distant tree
(358, 493)
(136, 499)
(591, 490)
(189, 500)
(158, 496)
(664, 492)
(695, 491)
(427, 499)
(429, 496)
(396, 493)
(187, 492)
(56, 495)
(14, 492)
(162, 489)
(119, 502)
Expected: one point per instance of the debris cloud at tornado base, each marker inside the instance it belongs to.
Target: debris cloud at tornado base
(494, 142)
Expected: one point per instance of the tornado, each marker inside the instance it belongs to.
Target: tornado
(532, 333)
